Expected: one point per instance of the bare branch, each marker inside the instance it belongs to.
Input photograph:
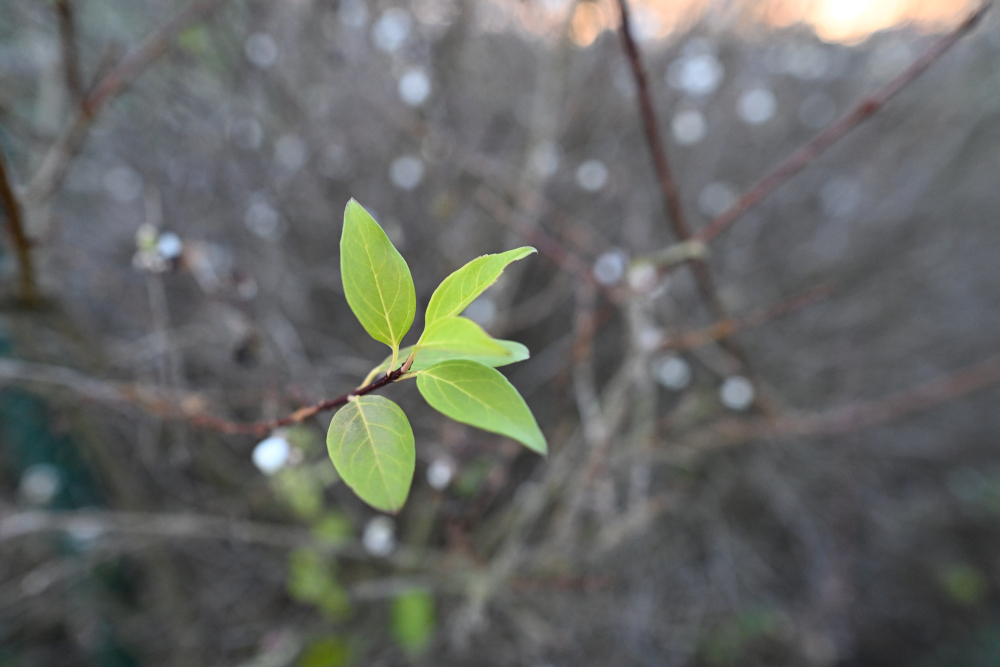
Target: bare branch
(15, 227)
(70, 52)
(806, 154)
(55, 163)
(668, 186)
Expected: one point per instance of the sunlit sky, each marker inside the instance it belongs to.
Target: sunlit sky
(845, 21)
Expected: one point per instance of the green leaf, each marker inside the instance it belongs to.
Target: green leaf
(428, 357)
(475, 394)
(311, 579)
(462, 287)
(413, 620)
(371, 446)
(330, 652)
(377, 282)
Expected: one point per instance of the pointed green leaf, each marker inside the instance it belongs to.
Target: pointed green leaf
(427, 357)
(377, 282)
(475, 394)
(371, 446)
(462, 287)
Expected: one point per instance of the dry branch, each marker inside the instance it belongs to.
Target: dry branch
(806, 154)
(56, 162)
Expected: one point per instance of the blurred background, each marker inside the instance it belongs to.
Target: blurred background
(807, 491)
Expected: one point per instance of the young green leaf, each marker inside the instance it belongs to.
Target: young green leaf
(475, 394)
(462, 287)
(427, 357)
(413, 620)
(377, 282)
(371, 446)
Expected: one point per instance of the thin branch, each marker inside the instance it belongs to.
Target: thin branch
(842, 420)
(142, 524)
(172, 405)
(668, 186)
(15, 227)
(56, 161)
(728, 327)
(70, 52)
(806, 154)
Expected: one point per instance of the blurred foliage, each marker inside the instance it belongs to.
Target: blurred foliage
(413, 620)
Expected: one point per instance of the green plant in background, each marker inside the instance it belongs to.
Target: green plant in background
(370, 440)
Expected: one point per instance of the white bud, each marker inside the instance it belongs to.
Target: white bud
(406, 172)
(169, 246)
(271, 454)
(261, 49)
(737, 393)
(379, 538)
(40, 484)
(440, 473)
(610, 267)
(673, 372)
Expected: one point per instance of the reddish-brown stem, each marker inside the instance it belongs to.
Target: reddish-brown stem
(806, 154)
(264, 427)
(668, 186)
(15, 226)
(70, 53)
(726, 328)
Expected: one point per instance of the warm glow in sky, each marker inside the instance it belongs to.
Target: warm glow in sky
(847, 21)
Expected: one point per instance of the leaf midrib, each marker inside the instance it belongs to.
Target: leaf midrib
(478, 400)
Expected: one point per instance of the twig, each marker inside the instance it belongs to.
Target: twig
(668, 186)
(56, 161)
(15, 226)
(171, 405)
(70, 52)
(95, 523)
(845, 419)
(806, 154)
(728, 327)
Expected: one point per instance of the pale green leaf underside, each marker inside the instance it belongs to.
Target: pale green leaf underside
(371, 445)
(480, 396)
(377, 281)
(427, 357)
(462, 287)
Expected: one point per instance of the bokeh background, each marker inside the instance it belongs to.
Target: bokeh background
(757, 502)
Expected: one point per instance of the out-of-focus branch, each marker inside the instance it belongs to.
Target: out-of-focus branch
(171, 405)
(94, 523)
(15, 227)
(70, 52)
(806, 154)
(56, 161)
(728, 327)
(668, 186)
(845, 419)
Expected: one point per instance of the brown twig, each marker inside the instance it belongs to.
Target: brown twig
(15, 226)
(845, 419)
(70, 52)
(728, 327)
(806, 154)
(56, 161)
(668, 186)
(171, 405)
